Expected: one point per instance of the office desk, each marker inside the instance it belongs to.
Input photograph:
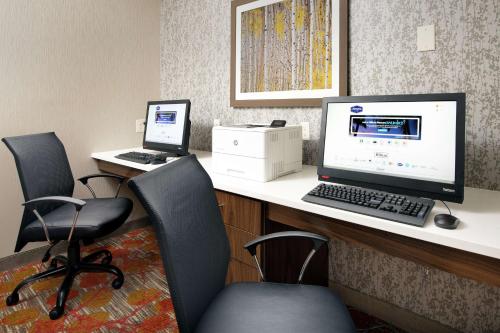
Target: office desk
(471, 251)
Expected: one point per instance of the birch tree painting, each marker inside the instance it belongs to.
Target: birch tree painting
(287, 46)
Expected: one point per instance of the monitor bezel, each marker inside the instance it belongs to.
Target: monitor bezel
(400, 185)
(181, 149)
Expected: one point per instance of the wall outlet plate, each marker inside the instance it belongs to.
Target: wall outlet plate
(305, 130)
(426, 38)
(139, 126)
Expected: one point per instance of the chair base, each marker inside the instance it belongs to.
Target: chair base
(70, 266)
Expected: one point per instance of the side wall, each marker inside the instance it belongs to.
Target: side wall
(83, 69)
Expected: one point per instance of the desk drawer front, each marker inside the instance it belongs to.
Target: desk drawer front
(237, 239)
(240, 212)
(243, 222)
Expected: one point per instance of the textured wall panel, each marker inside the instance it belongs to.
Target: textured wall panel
(195, 56)
(461, 303)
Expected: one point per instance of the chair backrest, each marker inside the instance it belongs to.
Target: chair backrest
(43, 170)
(180, 200)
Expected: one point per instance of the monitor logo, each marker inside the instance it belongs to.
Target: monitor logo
(448, 190)
(158, 108)
(356, 109)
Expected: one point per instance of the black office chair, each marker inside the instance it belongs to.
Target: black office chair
(52, 214)
(181, 203)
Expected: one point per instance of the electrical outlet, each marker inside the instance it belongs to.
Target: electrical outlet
(216, 122)
(139, 126)
(305, 130)
(426, 38)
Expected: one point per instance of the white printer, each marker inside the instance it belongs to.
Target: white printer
(257, 152)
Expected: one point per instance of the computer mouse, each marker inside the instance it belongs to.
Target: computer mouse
(446, 221)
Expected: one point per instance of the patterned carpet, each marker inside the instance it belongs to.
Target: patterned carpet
(142, 305)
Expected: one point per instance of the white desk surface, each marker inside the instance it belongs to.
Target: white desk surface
(478, 231)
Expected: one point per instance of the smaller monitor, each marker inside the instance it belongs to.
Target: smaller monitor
(167, 127)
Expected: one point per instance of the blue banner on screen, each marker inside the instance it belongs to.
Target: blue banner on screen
(166, 117)
(388, 127)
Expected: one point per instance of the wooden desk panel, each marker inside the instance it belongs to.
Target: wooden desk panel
(243, 219)
(470, 265)
(117, 169)
(237, 240)
(240, 212)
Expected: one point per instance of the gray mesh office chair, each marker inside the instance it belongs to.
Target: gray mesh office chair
(52, 214)
(181, 203)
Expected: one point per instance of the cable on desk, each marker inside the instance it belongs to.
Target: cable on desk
(444, 203)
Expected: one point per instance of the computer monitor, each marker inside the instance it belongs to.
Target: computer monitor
(405, 144)
(167, 127)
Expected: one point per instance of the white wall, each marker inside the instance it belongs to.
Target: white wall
(84, 69)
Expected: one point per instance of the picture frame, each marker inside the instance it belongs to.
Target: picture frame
(287, 53)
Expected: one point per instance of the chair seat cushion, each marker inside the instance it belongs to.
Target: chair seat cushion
(274, 307)
(97, 218)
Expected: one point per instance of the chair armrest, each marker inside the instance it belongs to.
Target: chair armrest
(76, 202)
(317, 240)
(79, 204)
(84, 181)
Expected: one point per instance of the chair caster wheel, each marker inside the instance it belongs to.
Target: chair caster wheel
(56, 312)
(117, 283)
(12, 299)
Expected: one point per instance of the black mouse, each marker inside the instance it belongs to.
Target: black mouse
(446, 221)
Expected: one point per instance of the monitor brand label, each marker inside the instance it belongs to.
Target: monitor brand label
(448, 190)
(356, 109)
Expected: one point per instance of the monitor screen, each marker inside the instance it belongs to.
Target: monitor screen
(167, 125)
(400, 141)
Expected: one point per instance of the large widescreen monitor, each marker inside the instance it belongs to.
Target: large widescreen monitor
(167, 126)
(408, 144)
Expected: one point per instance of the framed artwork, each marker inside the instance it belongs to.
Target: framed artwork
(287, 52)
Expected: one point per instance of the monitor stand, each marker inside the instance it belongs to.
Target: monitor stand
(166, 155)
(161, 157)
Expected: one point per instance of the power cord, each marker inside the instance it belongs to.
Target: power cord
(444, 203)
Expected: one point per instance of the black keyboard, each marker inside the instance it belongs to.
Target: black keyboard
(145, 158)
(394, 207)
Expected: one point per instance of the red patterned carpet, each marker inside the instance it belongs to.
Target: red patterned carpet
(143, 303)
